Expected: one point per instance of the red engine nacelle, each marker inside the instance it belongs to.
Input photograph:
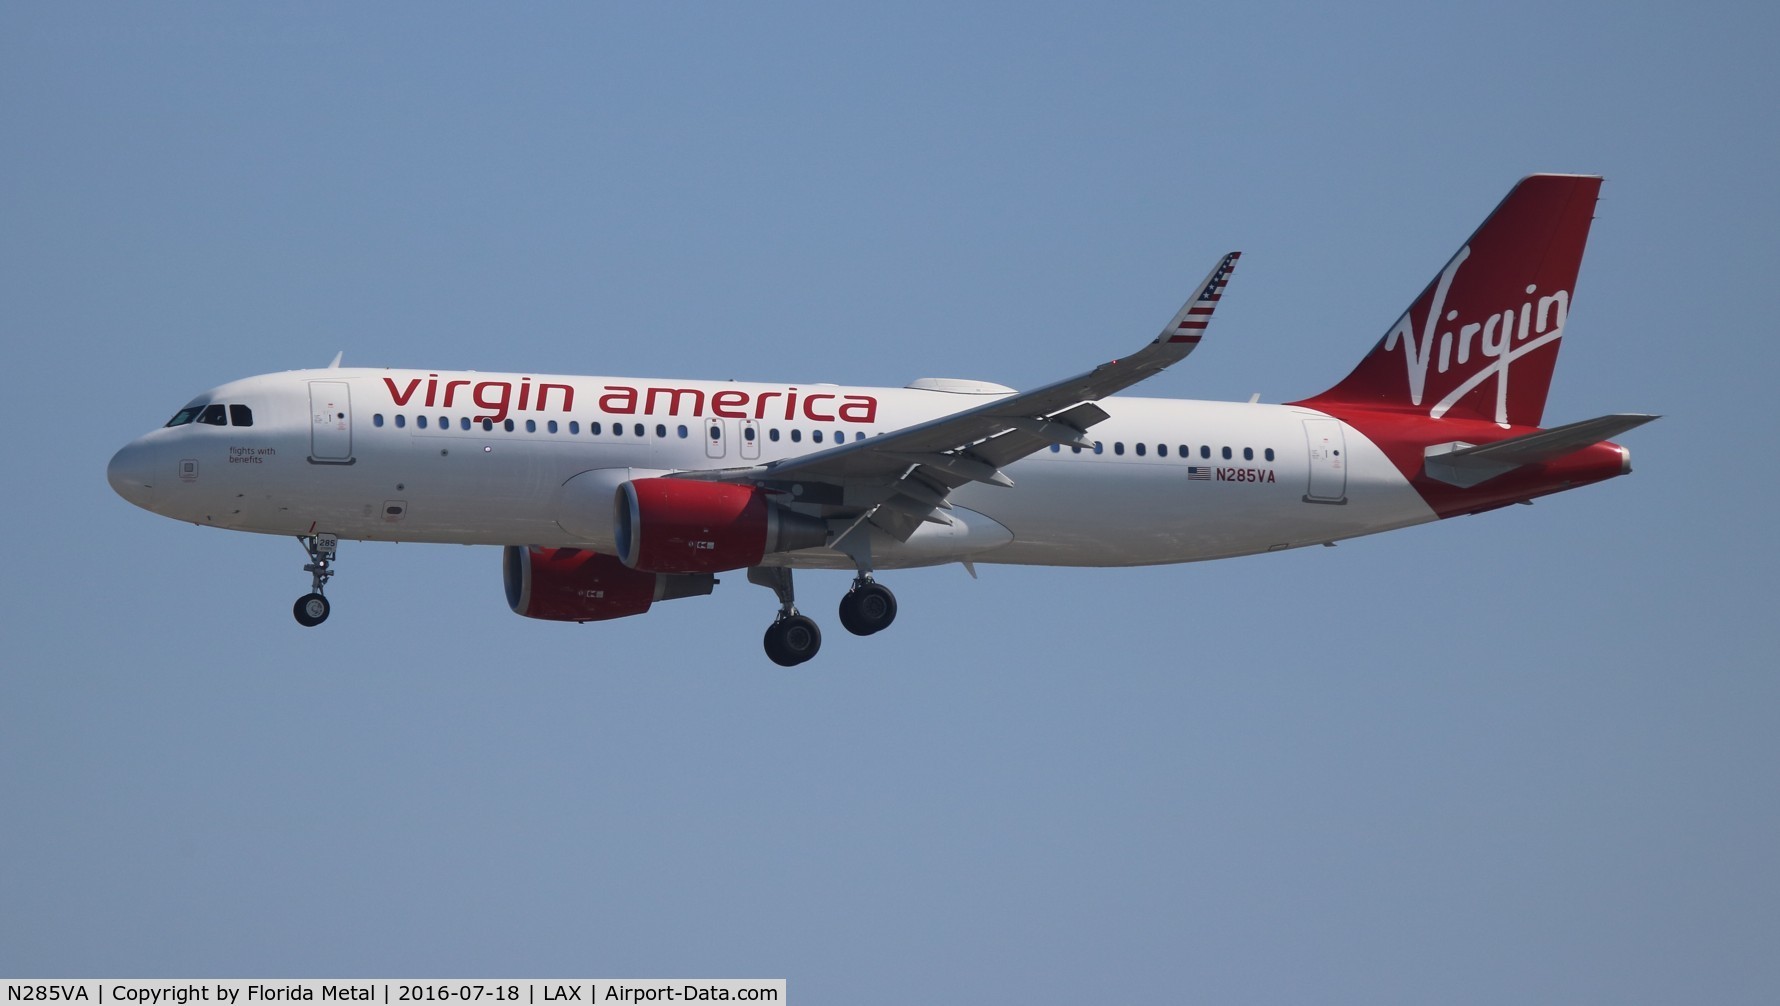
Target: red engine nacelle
(575, 585)
(685, 526)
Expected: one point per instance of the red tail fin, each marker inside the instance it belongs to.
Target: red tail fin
(1482, 339)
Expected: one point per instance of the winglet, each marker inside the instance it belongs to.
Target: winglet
(1188, 326)
(337, 358)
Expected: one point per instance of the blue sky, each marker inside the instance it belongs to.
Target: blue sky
(1523, 756)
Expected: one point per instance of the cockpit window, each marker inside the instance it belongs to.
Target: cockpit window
(213, 415)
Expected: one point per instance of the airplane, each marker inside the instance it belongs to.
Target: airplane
(610, 494)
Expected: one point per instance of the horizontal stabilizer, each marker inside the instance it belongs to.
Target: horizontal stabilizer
(1466, 465)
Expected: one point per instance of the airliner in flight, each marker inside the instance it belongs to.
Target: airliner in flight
(610, 494)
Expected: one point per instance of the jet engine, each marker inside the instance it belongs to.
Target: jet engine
(686, 526)
(575, 585)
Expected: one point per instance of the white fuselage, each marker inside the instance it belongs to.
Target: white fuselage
(429, 457)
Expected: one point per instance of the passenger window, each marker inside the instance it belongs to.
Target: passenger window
(661, 431)
(213, 416)
(574, 426)
(1248, 454)
(1099, 448)
(401, 421)
(377, 420)
(618, 429)
(1226, 454)
(240, 415)
(1270, 454)
(1056, 448)
(552, 426)
(773, 434)
(507, 425)
(531, 425)
(638, 429)
(748, 433)
(1140, 450)
(593, 429)
(1161, 450)
(488, 425)
(682, 431)
(1205, 451)
(797, 436)
(816, 435)
(420, 421)
(464, 422)
(1119, 447)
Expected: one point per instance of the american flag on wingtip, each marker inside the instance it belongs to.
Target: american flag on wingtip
(1199, 473)
(1192, 327)
(1215, 289)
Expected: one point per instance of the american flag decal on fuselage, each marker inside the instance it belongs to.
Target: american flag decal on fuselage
(1199, 473)
(1191, 325)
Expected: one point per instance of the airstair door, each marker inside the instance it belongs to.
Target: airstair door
(330, 423)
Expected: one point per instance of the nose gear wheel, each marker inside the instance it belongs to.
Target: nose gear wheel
(311, 610)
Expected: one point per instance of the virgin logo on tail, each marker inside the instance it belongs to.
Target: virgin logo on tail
(1499, 340)
(1480, 341)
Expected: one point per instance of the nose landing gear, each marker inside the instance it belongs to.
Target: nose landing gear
(312, 608)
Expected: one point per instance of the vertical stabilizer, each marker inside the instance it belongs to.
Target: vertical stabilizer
(1482, 339)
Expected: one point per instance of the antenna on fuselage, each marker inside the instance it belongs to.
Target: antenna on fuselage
(337, 357)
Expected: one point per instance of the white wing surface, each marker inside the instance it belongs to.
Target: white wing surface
(897, 480)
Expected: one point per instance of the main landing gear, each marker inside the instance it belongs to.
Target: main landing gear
(312, 608)
(794, 638)
(867, 608)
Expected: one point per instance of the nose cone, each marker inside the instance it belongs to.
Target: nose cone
(131, 475)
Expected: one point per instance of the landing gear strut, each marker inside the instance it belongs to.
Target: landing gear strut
(867, 608)
(312, 608)
(792, 638)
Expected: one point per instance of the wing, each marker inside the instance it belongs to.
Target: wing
(898, 480)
